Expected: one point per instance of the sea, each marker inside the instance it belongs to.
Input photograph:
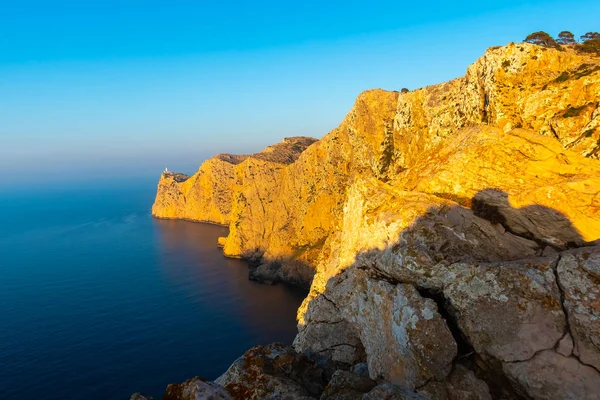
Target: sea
(98, 300)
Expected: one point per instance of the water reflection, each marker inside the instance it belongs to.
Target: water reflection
(196, 267)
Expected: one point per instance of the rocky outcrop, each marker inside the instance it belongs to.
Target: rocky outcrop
(578, 275)
(196, 389)
(282, 210)
(450, 236)
(208, 194)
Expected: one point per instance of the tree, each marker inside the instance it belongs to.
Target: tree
(566, 37)
(590, 43)
(590, 36)
(541, 39)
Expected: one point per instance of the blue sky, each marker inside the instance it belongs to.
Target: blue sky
(89, 91)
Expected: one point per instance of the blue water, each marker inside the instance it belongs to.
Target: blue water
(98, 300)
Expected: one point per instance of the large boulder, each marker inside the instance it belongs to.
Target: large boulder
(508, 310)
(549, 375)
(196, 389)
(345, 385)
(579, 278)
(406, 340)
(390, 391)
(273, 372)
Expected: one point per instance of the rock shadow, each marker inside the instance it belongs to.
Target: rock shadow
(472, 284)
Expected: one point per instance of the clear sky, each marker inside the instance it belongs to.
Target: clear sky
(90, 89)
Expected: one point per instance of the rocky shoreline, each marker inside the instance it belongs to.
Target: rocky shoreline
(449, 237)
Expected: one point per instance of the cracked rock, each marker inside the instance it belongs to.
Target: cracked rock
(346, 385)
(508, 310)
(579, 277)
(272, 372)
(464, 385)
(565, 346)
(196, 389)
(406, 340)
(389, 391)
(549, 375)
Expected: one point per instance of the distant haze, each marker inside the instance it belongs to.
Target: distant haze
(106, 90)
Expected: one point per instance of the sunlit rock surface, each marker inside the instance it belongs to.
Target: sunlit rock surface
(208, 194)
(449, 235)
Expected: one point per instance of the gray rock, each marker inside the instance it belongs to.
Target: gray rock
(196, 389)
(361, 369)
(389, 391)
(346, 385)
(464, 385)
(549, 375)
(139, 396)
(434, 390)
(542, 223)
(579, 277)
(406, 340)
(273, 372)
(508, 310)
(565, 346)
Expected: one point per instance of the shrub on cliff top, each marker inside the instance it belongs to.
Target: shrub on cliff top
(542, 39)
(590, 36)
(566, 37)
(590, 43)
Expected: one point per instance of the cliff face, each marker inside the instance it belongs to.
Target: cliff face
(399, 138)
(450, 235)
(207, 195)
(286, 215)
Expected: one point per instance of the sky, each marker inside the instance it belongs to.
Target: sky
(96, 90)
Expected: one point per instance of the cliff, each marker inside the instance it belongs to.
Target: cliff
(207, 195)
(398, 137)
(450, 236)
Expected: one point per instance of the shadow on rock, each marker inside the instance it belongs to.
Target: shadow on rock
(479, 301)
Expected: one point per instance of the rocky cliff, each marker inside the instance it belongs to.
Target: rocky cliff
(450, 236)
(208, 194)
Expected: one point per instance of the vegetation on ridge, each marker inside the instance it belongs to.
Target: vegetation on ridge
(589, 43)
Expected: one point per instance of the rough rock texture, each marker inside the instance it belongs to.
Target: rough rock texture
(549, 375)
(196, 389)
(345, 385)
(208, 194)
(406, 341)
(273, 372)
(509, 311)
(579, 278)
(138, 396)
(407, 138)
(464, 385)
(389, 391)
(450, 236)
(281, 213)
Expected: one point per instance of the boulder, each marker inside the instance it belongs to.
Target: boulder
(389, 391)
(139, 396)
(579, 278)
(345, 385)
(273, 372)
(549, 375)
(508, 310)
(406, 340)
(196, 389)
(464, 385)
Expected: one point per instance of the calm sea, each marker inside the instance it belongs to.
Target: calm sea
(98, 300)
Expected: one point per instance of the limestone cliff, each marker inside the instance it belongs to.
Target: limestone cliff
(399, 138)
(451, 236)
(207, 195)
